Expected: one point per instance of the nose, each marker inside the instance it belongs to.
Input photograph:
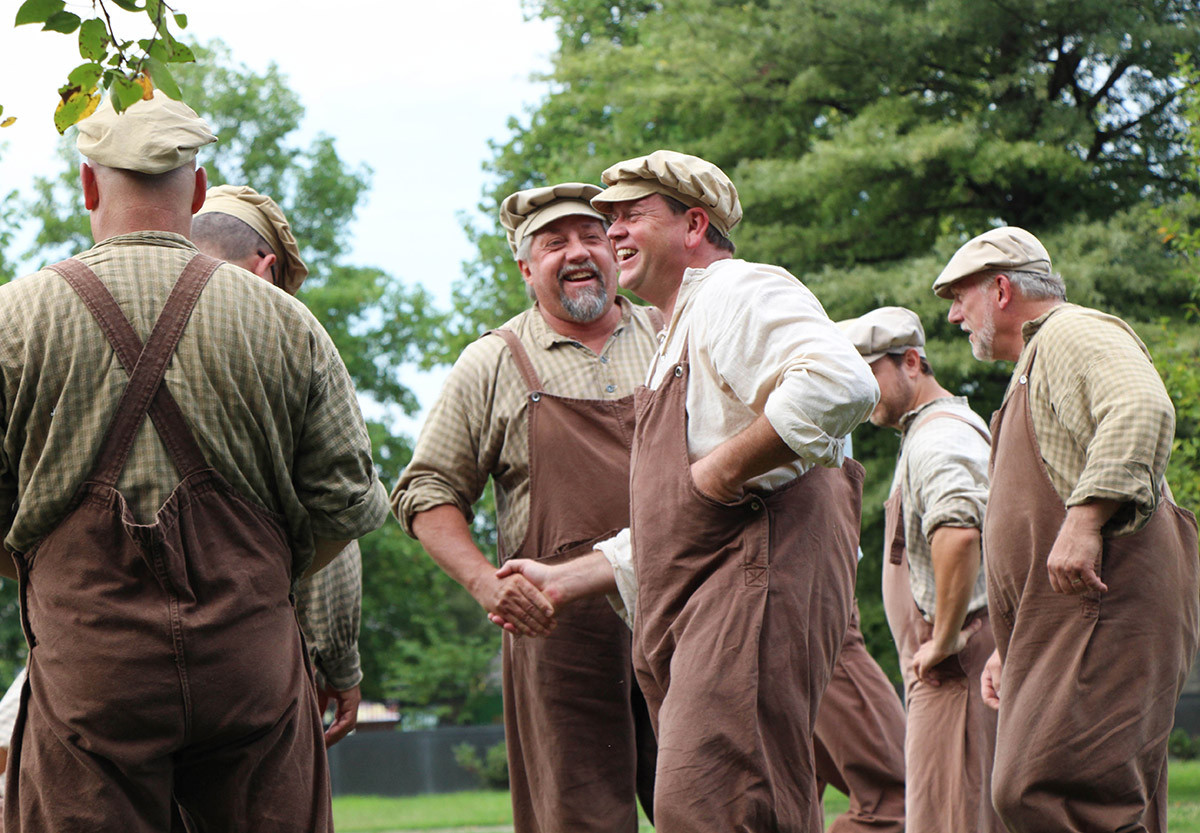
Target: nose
(955, 315)
(616, 231)
(576, 250)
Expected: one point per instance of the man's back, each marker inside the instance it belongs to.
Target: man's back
(257, 378)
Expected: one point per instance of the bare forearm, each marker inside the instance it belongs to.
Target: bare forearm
(956, 560)
(755, 450)
(445, 535)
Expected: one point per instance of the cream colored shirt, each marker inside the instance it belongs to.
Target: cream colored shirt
(759, 343)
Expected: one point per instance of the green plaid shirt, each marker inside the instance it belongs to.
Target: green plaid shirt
(479, 428)
(329, 605)
(1102, 417)
(261, 384)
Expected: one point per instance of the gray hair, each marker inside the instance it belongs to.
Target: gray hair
(525, 249)
(1036, 286)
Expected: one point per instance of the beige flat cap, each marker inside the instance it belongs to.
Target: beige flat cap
(526, 211)
(264, 215)
(885, 330)
(689, 179)
(152, 136)
(1008, 247)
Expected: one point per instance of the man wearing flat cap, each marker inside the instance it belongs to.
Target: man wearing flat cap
(1092, 569)
(543, 405)
(248, 229)
(934, 587)
(156, 556)
(744, 510)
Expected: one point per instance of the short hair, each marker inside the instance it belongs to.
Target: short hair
(525, 249)
(232, 237)
(713, 235)
(1035, 286)
(898, 359)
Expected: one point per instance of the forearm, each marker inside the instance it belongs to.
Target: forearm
(755, 450)
(445, 535)
(956, 560)
(1089, 517)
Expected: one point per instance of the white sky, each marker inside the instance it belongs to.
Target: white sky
(412, 89)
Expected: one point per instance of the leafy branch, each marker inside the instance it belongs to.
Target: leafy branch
(128, 69)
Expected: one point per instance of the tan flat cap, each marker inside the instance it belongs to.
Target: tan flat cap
(885, 330)
(689, 179)
(526, 211)
(1008, 247)
(264, 215)
(152, 136)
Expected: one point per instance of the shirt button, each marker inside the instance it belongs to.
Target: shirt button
(604, 360)
(611, 388)
(1023, 379)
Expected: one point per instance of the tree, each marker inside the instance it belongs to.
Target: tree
(868, 140)
(110, 61)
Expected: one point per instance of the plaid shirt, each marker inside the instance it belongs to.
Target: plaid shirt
(942, 475)
(329, 605)
(478, 427)
(263, 388)
(1102, 417)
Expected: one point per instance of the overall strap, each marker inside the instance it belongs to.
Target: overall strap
(146, 367)
(521, 357)
(932, 415)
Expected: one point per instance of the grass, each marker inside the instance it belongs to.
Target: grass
(486, 811)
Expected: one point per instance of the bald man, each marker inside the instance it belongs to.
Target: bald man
(156, 556)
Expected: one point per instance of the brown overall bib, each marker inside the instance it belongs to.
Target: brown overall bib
(951, 737)
(741, 611)
(579, 740)
(164, 658)
(1090, 682)
(858, 741)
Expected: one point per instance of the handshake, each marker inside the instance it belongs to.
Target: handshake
(529, 593)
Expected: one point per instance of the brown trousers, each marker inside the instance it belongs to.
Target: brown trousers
(580, 747)
(742, 609)
(165, 659)
(858, 742)
(1090, 682)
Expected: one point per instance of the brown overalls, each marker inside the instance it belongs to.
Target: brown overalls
(164, 659)
(858, 741)
(579, 740)
(741, 611)
(1090, 682)
(951, 733)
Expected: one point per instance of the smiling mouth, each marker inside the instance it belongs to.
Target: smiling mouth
(579, 276)
(624, 254)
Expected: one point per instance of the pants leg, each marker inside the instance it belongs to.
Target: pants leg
(859, 741)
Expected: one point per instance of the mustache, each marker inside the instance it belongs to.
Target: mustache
(586, 266)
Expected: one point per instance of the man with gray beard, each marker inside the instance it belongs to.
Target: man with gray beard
(544, 406)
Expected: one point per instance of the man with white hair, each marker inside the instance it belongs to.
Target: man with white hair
(248, 229)
(1092, 569)
(156, 557)
(744, 510)
(543, 405)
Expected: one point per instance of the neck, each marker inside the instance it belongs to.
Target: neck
(592, 334)
(927, 390)
(702, 259)
(145, 220)
(1011, 342)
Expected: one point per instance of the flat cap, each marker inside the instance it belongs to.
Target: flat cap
(152, 136)
(1007, 247)
(885, 330)
(264, 215)
(689, 179)
(526, 211)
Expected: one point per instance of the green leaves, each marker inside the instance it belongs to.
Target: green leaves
(38, 11)
(129, 76)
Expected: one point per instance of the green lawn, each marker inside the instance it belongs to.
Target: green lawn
(486, 811)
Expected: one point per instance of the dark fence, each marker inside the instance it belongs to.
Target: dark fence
(407, 763)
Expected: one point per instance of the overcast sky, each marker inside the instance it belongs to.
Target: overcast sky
(414, 90)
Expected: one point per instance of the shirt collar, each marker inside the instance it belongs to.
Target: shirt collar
(1030, 328)
(167, 239)
(545, 336)
(906, 421)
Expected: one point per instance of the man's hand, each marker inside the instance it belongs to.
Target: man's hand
(712, 479)
(345, 716)
(561, 584)
(1075, 556)
(989, 680)
(513, 598)
(539, 577)
(930, 653)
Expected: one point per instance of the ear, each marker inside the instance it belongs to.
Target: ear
(262, 266)
(526, 272)
(201, 189)
(697, 227)
(1005, 293)
(912, 362)
(87, 180)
